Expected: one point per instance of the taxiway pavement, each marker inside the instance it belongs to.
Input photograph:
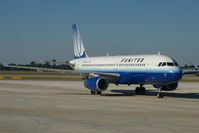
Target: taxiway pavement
(66, 106)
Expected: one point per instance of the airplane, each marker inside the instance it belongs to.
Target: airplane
(158, 70)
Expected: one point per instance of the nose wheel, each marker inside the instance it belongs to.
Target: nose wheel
(160, 94)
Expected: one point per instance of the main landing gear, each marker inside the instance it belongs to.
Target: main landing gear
(94, 92)
(140, 90)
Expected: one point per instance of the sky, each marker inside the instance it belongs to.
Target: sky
(35, 30)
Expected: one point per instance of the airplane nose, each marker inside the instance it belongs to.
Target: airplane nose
(175, 75)
(179, 74)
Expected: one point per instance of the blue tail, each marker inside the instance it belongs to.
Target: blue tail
(79, 50)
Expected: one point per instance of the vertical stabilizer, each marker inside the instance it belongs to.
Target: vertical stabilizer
(79, 50)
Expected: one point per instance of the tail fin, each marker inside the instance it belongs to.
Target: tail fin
(79, 50)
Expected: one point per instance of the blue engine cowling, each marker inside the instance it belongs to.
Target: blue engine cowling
(97, 84)
(169, 87)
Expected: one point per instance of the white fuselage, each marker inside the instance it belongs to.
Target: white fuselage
(140, 65)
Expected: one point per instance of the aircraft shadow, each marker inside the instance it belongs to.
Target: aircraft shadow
(120, 93)
(154, 93)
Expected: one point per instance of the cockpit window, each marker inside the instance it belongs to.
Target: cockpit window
(164, 64)
(176, 64)
(170, 64)
(160, 64)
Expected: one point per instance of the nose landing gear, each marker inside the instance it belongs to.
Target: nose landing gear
(160, 94)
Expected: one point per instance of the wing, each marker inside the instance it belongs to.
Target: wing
(112, 77)
(190, 71)
(41, 69)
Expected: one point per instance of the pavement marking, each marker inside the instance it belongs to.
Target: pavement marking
(16, 77)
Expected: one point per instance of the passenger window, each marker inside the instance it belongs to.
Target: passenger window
(170, 64)
(160, 64)
(164, 64)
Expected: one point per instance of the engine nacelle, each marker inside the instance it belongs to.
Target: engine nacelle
(96, 84)
(170, 87)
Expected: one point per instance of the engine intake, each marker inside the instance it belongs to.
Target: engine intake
(96, 84)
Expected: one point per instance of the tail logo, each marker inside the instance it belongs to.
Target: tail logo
(79, 50)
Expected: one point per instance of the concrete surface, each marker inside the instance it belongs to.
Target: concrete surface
(67, 107)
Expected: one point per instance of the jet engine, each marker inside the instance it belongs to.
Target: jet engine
(96, 84)
(170, 87)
